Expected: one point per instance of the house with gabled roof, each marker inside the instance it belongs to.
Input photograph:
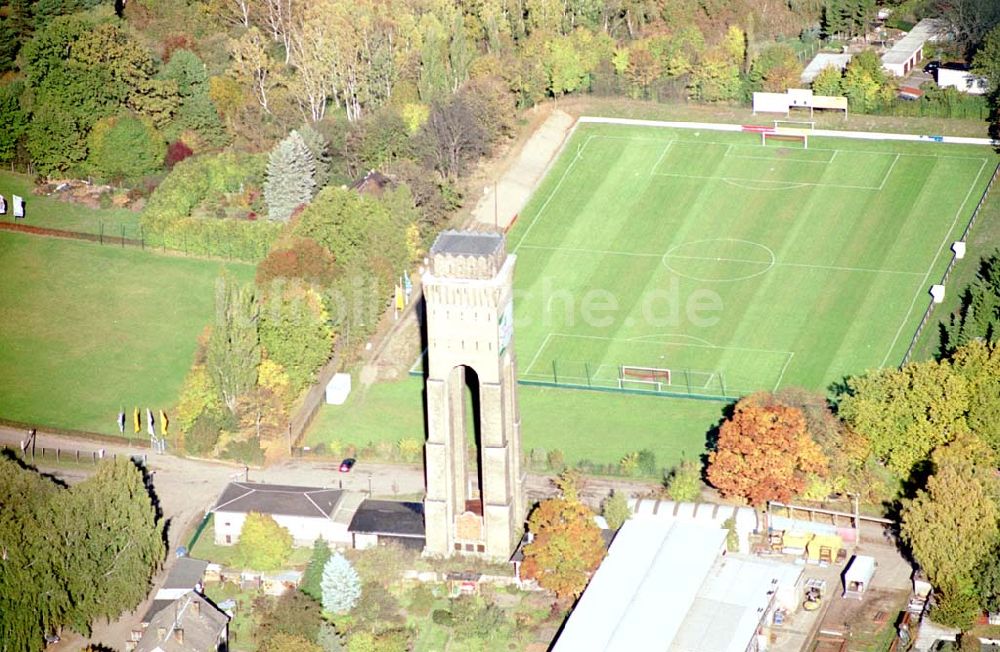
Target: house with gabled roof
(189, 624)
(308, 513)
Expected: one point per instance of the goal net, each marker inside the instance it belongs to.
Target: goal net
(796, 135)
(646, 377)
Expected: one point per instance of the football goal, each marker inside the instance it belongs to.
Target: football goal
(798, 135)
(651, 377)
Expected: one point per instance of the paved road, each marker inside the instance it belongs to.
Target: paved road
(187, 488)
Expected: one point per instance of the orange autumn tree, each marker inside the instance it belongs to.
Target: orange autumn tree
(567, 546)
(764, 452)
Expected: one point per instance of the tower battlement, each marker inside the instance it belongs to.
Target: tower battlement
(468, 255)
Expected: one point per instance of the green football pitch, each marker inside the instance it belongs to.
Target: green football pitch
(704, 262)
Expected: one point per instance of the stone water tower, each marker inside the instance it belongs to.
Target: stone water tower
(468, 294)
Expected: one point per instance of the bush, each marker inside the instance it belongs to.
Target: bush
(124, 148)
(203, 435)
(684, 483)
(538, 457)
(168, 219)
(647, 462)
(421, 600)
(177, 151)
(301, 258)
(442, 617)
(556, 461)
(248, 452)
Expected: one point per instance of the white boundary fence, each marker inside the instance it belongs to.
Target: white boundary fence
(830, 133)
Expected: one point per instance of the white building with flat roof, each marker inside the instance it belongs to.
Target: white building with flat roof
(908, 51)
(960, 78)
(670, 585)
(822, 61)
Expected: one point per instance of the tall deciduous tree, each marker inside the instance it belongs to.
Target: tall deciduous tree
(233, 347)
(979, 363)
(829, 81)
(291, 177)
(906, 413)
(263, 545)
(453, 138)
(952, 524)
(866, 84)
(13, 120)
(295, 330)
(764, 453)
(567, 545)
(341, 585)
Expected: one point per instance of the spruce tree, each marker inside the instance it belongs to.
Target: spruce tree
(341, 585)
(979, 315)
(319, 146)
(291, 177)
(314, 571)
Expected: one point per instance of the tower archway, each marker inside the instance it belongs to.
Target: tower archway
(474, 503)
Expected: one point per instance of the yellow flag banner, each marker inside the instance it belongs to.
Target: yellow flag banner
(135, 420)
(399, 298)
(163, 423)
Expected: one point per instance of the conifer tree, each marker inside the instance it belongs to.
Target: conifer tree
(319, 147)
(291, 177)
(979, 315)
(341, 585)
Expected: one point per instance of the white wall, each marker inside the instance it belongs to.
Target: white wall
(304, 530)
(365, 541)
(963, 80)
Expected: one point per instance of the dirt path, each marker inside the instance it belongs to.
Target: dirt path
(501, 202)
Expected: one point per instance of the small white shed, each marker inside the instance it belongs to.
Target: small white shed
(858, 576)
(338, 389)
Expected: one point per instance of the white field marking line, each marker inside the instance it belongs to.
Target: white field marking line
(650, 338)
(811, 149)
(783, 368)
(538, 215)
(748, 185)
(652, 170)
(833, 156)
(698, 346)
(737, 180)
(775, 158)
(888, 172)
(923, 284)
(531, 364)
(839, 268)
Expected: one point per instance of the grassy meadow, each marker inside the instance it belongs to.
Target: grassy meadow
(596, 426)
(88, 329)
